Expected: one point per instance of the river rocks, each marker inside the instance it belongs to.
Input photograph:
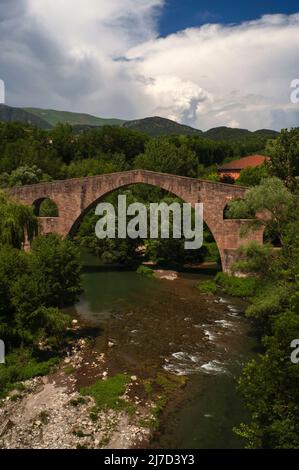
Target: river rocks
(52, 417)
(51, 414)
(168, 275)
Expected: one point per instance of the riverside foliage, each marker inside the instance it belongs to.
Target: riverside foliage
(33, 288)
(269, 384)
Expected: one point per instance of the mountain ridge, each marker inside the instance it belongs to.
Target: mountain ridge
(153, 126)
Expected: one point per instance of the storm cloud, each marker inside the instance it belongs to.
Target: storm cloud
(106, 58)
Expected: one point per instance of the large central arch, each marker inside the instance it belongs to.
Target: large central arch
(76, 196)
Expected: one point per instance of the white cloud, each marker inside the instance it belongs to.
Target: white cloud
(245, 70)
(105, 57)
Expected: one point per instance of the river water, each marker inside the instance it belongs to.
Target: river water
(160, 325)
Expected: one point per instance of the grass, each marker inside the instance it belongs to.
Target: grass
(237, 286)
(207, 287)
(107, 394)
(145, 271)
(148, 387)
(22, 365)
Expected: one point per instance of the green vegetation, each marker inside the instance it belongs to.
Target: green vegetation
(157, 126)
(207, 287)
(273, 203)
(107, 394)
(53, 117)
(23, 364)
(23, 175)
(237, 286)
(252, 176)
(152, 126)
(9, 114)
(33, 286)
(48, 208)
(145, 271)
(164, 156)
(269, 383)
(17, 223)
(284, 162)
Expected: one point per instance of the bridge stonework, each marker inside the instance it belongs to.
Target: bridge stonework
(75, 197)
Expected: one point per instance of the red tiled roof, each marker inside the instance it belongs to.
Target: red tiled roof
(246, 162)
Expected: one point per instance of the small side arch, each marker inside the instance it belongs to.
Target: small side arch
(45, 207)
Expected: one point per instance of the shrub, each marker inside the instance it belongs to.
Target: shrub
(21, 365)
(207, 287)
(237, 286)
(145, 271)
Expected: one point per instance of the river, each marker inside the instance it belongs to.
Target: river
(157, 325)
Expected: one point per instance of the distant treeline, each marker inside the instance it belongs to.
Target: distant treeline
(61, 152)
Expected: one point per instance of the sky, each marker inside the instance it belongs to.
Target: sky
(181, 14)
(201, 63)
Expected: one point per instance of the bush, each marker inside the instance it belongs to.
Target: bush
(145, 271)
(21, 365)
(107, 393)
(237, 286)
(207, 287)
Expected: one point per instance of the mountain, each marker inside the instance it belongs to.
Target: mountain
(156, 126)
(8, 114)
(152, 126)
(231, 134)
(53, 117)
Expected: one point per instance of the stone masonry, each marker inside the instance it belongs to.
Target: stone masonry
(75, 197)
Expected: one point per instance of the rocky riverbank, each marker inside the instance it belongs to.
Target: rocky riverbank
(50, 413)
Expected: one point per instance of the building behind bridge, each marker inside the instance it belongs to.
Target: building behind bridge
(233, 169)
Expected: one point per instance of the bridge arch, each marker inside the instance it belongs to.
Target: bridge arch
(76, 224)
(75, 197)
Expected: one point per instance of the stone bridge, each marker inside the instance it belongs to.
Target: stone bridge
(75, 197)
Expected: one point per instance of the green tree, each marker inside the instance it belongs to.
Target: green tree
(271, 202)
(27, 175)
(163, 156)
(269, 385)
(252, 176)
(17, 222)
(55, 263)
(284, 161)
